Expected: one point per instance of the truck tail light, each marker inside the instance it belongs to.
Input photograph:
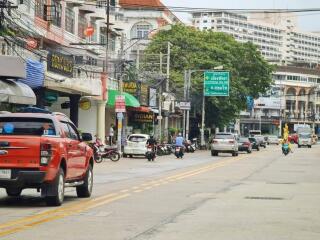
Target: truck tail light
(231, 141)
(45, 153)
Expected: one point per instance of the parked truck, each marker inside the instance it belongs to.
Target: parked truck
(45, 152)
(304, 136)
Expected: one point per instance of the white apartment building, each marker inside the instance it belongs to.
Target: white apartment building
(277, 36)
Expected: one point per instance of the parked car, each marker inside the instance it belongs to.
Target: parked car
(136, 145)
(261, 140)
(244, 145)
(224, 143)
(44, 151)
(273, 140)
(255, 143)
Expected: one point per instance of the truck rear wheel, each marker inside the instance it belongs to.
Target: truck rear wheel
(85, 190)
(13, 192)
(58, 190)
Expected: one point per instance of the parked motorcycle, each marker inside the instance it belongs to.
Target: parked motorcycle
(190, 148)
(179, 152)
(111, 153)
(101, 152)
(150, 154)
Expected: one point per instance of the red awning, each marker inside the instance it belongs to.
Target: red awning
(140, 109)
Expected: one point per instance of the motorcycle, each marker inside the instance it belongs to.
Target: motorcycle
(100, 152)
(178, 152)
(285, 149)
(111, 153)
(190, 148)
(97, 153)
(150, 154)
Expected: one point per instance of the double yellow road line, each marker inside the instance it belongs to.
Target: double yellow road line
(84, 205)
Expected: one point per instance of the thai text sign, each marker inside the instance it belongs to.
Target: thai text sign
(60, 63)
(216, 83)
(120, 104)
(143, 117)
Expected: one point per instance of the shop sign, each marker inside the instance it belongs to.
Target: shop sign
(144, 92)
(85, 103)
(120, 104)
(184, 105)
(143, 117)
(130, 87)
(60, 63)
(139, 90)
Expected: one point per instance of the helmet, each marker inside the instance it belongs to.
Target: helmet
(179, 134)
(151, 136)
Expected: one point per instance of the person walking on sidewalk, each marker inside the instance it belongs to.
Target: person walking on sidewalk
(111, 134)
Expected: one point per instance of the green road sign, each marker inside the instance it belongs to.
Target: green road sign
(216, 83)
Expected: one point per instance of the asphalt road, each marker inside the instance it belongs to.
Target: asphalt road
(263, 195)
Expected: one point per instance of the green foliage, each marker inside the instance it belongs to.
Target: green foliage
(250, 74)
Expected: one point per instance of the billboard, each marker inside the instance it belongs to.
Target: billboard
(267, 103)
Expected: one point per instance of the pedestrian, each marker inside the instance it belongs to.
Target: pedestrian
(111, 134)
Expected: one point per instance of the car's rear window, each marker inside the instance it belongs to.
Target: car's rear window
(224, 136)
(137, 139)
(242, 140)
(26, 126)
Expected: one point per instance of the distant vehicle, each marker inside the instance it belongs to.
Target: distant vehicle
(304, 136)
(136, 145)
(224, 143)
(255, 143)
(273, 140)
(244, 145)
(44, 151)
(252, 133)
(293, 138)
(261, 140)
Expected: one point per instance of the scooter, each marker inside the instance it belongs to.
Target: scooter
(179, 152)
(285, 149)
(111, 153)
(150, 154)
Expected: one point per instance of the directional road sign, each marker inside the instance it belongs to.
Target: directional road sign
(216, 83)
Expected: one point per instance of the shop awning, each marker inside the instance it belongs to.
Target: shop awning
(16, 92)
(130, 100)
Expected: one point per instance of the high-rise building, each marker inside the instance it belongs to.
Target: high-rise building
(277, 35)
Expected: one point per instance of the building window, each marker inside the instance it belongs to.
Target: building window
(82, 25)
(141, 30)
(39, 8)
(70, 16)
(56, 12)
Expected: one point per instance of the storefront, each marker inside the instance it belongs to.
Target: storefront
(130, 102)
(13, 93)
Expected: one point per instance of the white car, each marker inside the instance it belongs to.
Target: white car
(136, 145)
(224, 143)
(273, 140)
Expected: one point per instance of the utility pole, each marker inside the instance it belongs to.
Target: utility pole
(188, 99)
(160, 101)
(166, 119)
(185, 98)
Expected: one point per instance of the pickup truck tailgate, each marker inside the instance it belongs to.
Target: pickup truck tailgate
(19, 151)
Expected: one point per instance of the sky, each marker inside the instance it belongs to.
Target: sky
(307, 21)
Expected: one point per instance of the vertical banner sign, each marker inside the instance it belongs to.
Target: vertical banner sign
(120, 104)
(216, 83)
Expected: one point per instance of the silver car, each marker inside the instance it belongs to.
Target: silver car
(224, 143)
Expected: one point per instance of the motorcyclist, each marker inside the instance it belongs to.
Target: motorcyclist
(284, 142)
(180, 141)
(152, 142)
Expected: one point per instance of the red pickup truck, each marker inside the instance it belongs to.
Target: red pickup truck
(45, 152)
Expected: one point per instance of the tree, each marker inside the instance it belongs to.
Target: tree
(250, 74)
